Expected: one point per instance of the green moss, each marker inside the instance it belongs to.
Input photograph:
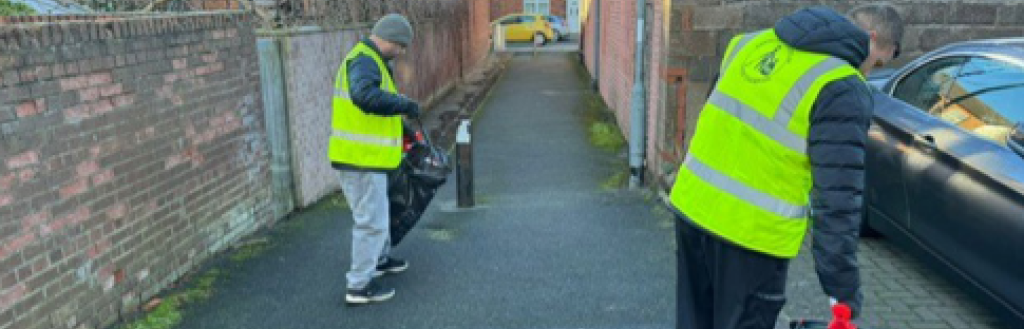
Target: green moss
(606, 136)
(8, 8)
(250, 250)
(615, 181)
(168, 314)
(165, 316)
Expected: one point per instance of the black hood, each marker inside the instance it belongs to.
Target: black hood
(823, 30)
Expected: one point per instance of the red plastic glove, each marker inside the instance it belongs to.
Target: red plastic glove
(841, 315)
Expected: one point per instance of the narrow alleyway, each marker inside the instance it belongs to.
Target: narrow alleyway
(547, 247)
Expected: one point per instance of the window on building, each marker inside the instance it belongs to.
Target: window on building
(542, 7)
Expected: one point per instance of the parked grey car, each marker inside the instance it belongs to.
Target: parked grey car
(946, 166)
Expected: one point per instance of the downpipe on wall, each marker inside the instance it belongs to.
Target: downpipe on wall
(596, 82)
(638, 105)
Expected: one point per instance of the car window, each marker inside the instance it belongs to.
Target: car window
(528, 19)
(984, 99)
(510, 20)
(927, 85)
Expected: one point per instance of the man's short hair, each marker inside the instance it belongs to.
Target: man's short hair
(880, 17)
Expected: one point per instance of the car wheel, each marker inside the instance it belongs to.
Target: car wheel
(540, 39)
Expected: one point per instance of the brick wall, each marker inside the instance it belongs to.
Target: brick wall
(617, 51)
(442, 52)
(501, 8)
(131, 150)
(695, 33)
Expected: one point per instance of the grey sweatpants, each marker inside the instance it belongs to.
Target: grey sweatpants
(367, 196)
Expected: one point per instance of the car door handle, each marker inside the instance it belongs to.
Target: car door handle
(925, 139)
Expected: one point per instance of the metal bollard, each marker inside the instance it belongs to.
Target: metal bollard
(498, 36)
(464, 165)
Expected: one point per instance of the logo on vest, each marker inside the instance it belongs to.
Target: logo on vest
(767, 64)
(763, 62)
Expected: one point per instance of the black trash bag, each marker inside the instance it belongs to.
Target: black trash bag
(410, 188)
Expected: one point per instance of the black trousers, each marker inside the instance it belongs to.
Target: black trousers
(723, 286)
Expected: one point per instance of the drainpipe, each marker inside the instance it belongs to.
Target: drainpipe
(596, 82)
(638, 114)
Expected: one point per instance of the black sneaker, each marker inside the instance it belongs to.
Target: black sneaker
(372, 293)
(391, 266)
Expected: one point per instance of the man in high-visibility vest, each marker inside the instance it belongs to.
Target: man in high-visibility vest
(366, 144)
(779, 146)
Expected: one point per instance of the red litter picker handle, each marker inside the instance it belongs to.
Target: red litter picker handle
(841, 319)
(841, 315)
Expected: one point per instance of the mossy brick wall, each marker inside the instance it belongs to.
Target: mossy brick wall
(131, 148)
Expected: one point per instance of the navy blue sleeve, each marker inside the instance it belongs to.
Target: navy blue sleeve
(364, 79)
(836, 146)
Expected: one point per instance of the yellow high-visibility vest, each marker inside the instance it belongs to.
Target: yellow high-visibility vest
(361, 139)
(747, 175)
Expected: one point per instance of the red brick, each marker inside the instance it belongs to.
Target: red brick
(174, 160)
(99, 79)
(31, 221)
(23, 160)
(26, 175)
(80, 215)
(78, 112)
(99, 248)
(16, 244)
(124, 100)
(204, 70)
(87, 168)
(102, 106)
(117, 211)
(29, 75)
(75, 217)
(103, 177)
(7, 181)
(40, 264)
(89, 94)
(73, 83)
(11, 296)
(28, 108)
(178, 64)
(111, 90)
(76, 188)
(53, 226)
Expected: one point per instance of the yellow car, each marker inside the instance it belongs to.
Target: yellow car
(526, 27)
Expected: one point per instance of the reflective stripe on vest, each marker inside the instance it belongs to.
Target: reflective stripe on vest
(747, 176)
(776, 128)
(755, 197)
(368, 139)
(361, 139)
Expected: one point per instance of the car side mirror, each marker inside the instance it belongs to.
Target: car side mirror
(1016, 139)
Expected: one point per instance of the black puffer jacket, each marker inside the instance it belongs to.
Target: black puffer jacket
(364, 80)
(839, 123)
